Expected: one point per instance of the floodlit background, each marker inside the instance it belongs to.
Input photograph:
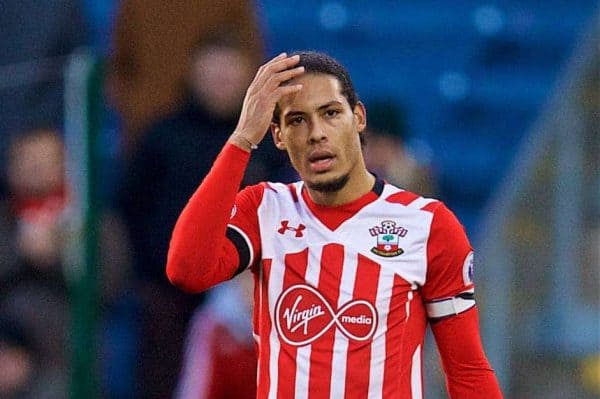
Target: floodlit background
(111, 112)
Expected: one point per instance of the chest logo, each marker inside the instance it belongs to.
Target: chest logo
(285, 226)
(388, 239)
(303, 315)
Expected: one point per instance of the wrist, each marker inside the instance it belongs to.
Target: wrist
(242, 142)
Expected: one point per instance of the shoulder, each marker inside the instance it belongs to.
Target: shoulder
(276, 191)
(434, 212)
(410, 200)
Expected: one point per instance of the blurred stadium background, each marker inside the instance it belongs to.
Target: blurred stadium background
(500, 99)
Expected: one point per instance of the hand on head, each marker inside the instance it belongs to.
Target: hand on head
(262, 95)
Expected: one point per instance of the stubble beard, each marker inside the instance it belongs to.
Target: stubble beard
(330, 186)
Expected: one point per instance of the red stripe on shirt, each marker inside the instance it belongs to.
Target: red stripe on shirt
(431, 207)
(330, 276)
(413, 337)
(292, 189)
(295, 271)
(402, 197)
(358, 360)
(394, 342)
(262, 324)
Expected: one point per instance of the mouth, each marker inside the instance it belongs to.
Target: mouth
(321, 161)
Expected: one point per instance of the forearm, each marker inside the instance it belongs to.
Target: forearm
(468, 372)
(200, 255)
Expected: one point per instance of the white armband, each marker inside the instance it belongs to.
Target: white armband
(450, 306)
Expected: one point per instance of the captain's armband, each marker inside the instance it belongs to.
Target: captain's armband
(450, 306)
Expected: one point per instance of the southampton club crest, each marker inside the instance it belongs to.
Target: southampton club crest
(388, 238)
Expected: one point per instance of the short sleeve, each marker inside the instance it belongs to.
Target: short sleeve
(448, 287)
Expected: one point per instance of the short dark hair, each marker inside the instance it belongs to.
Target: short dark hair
(317, 62)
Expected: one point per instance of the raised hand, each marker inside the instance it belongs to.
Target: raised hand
(262, 96)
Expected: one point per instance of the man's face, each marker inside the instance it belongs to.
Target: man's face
(219, 77)
(320, 132)
(36, 165)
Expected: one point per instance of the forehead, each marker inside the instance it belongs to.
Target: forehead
(317, 90)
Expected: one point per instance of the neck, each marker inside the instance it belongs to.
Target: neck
(358, 185)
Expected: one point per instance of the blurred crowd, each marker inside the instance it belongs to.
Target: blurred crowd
(176, 74)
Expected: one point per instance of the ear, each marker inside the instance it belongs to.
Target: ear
(276, 132)
(360, 116)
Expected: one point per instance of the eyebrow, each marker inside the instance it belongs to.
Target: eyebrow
(320, 108)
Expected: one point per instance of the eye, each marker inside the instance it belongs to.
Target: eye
(295, 121)
(332, 113)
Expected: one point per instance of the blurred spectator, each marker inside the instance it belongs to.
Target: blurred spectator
(152, 44)
(220, 355)
(36, 38)
(32, 287)
(32, 214)
(21, 373)
(386, 152)
(17, 360)
(169, 163)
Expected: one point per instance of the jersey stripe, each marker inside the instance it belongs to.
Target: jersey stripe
(340, 348)
(262, 324)
(292, 189)
(359, 353)
(394, 339)
(304, 365)
(332, 263)
(414, 337)
(402, 197)
(274, 287)
(294, 271)
(416, 381)
(378, 349)
(421, 203)
(430, 207)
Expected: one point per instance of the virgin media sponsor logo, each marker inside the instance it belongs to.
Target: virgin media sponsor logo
(302, 315)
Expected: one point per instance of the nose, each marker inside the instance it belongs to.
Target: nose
(317, 132)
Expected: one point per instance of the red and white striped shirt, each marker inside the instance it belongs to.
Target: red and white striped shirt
(342, 294)
(336, 288)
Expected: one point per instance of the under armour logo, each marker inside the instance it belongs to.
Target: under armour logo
(285, 227)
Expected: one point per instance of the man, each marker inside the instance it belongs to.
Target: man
(347, 268)
(152, 41)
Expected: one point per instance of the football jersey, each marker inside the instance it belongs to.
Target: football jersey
(342, 294)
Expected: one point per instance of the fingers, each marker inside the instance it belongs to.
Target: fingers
(285, 90)
(268, 86)
(280, 63)
(288, 74)
(278, 70)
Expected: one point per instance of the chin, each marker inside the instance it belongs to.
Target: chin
(329, 185)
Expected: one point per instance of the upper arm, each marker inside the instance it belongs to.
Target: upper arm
(243, 228)
(448, 295)
(449, 287)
